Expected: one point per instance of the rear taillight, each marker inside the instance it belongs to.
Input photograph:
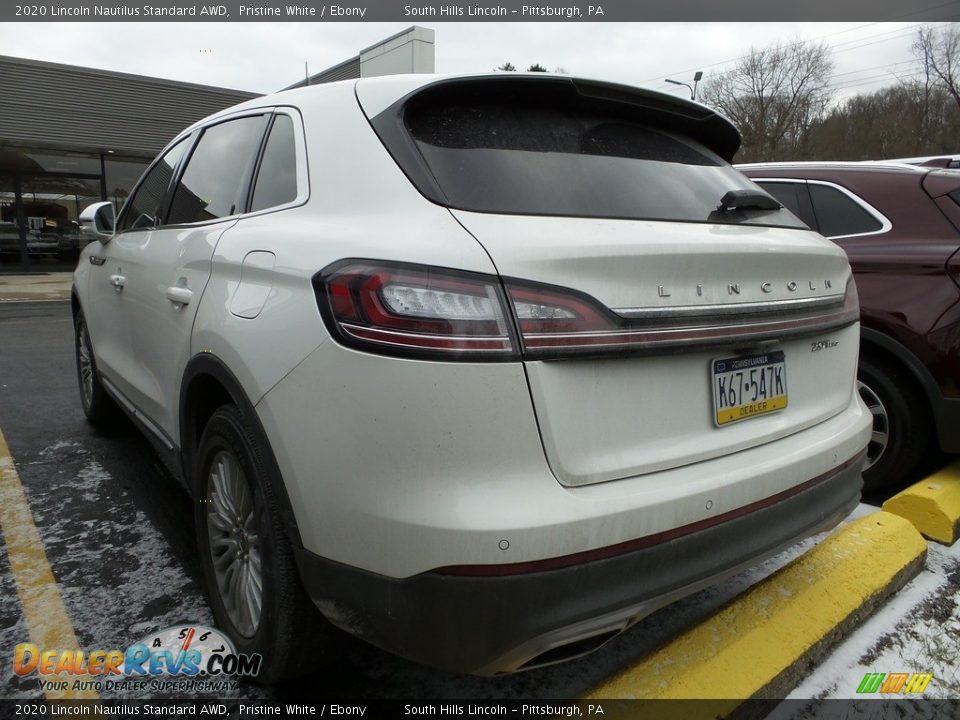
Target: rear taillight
(556, 321)
(415, 310)
(438, 313)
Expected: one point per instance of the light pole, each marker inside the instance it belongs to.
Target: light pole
(693, 89)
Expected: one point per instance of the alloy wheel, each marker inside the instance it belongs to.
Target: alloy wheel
(234, 543)
(880, 436)
(85, 359)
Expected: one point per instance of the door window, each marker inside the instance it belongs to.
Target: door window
(217, 177)
(277, 176)
(145, 205)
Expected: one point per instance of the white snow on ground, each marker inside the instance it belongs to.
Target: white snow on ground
(916, 631)
(146, 571)
(106, 607)
(54, 450)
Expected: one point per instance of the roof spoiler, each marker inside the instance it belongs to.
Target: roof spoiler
(667, 111)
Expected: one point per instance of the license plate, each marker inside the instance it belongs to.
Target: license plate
(745, 387)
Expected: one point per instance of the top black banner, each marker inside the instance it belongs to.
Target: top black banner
(420, 11)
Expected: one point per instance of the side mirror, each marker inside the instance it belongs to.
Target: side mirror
(97, 221)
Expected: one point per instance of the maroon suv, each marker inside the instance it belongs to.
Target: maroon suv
(900, 226)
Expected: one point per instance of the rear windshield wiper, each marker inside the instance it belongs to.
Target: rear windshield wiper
(747, 200)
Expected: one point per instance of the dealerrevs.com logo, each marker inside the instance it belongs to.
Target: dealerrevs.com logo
(180, 657)
(897, 683)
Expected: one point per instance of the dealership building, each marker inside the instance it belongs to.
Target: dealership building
(71, 136)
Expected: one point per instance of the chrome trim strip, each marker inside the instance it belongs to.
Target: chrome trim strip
(759, 307)
(395, 337)
(136, 413)
(885, 224)
(691, 336)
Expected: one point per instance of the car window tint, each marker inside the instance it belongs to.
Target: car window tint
(277, 177)
(793, 196)
(525, 157)
(839, 214)
(214, 185)
(143, 208)
(787, 193)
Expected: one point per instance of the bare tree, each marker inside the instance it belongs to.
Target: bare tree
(773, 96)
(938, 51)
(507, 67)
(907, 119)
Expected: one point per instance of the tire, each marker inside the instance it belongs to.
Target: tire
(233, 483)
(97, 405)
(901, 439)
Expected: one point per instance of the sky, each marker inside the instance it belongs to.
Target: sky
(263, 57)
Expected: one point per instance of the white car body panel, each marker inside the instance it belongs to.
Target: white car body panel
(653, 413)
(338, 222)
(161, 329)
(434, 464)
(107, 321)
(638, 263)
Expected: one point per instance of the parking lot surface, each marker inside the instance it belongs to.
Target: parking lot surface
(117, 530)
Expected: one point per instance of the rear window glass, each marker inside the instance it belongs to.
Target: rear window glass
(522, 158)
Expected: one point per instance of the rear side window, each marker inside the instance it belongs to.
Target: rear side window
(277, 177)
(793, 196)
(839, 214)
(787, 193)
(215, 182)
(519, 157)
(145, 205)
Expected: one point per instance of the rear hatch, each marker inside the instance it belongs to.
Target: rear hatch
(663, 321)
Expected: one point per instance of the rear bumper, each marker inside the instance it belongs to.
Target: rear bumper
(489, 624)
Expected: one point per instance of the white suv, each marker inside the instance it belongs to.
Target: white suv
(485, 368)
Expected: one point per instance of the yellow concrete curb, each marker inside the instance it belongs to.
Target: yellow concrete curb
(764, 642)
(932, 505)
(41, 602)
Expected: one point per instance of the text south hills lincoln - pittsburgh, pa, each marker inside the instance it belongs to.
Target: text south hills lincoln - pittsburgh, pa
(554, 11)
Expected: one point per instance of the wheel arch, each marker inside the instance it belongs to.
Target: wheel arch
(208, 384)
(884, 347)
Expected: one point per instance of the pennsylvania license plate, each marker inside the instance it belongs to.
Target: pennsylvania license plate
(745, 387)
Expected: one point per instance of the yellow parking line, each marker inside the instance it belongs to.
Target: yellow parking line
(764, 641)
(43, 609)
(932, 505)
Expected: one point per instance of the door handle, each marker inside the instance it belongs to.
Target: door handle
(118, 282)
(179, 295)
